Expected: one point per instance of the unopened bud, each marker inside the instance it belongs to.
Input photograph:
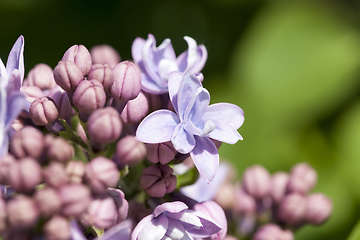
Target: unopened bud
(101, 213)
(103, 73)
(318, 208)
(122, 205)
(43, 111)
(79, 55)
(75, 171)
(5, 163)
(257, 181)
(68, 75)
(55, 175)
(302, 178)
(59, 150)
(225, 196)
(41, 76)
(279, 182)
(135, 110)
(160, 152)
(74, 198)
(27, 142)
(292, 209)
(22, 212)
(129, 151)
(158, 180)
(244, 203)
(57, 228)
(105, 54)
(62, 102)
(272, 231)
(32, 92)
(89, 96)
(47, 201)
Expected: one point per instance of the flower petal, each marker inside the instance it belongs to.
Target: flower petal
(136, 48)
(171, 207)
(202, 56)
(76, 233)
(155, 229)
(140, 226)
(174, 82)
(194, 58)
(120, 231)
(209, 228)
(176, 231)
(3, 75)
(148, 85)
(225, 112)
(157, 127)
(16, 58)
(15, 104)
(165, 67)
(225, 133)
(195, 110)
(186, 217)
(182, 141)
(206, 158)
(14, 81)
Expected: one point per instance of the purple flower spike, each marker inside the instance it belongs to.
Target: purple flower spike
(156, 63)
(194, 124)
(173, 220)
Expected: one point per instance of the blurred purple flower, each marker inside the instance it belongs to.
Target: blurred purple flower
(173, 220)
(193, 124)
(12, 101)
(156, 63)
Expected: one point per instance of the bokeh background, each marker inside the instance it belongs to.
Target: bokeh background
(293, 66)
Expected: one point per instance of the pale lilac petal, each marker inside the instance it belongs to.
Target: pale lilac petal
(176, 230)
(4, 143)
(225, 112)
(174, 82)
(148, 85)
(201, 59)
(139, 227)
(15, 104)
(171, 207)
(165, 67)
(224, 133)
(155, 229)
(157, 127)
(136, 48)
(198, 58)
(120, 231)
(3, 75)
(198, 108)
(206, 158)
(191, 52)
(16, 58)
(182, 141)
(14, 81)
(165, 50)
(186, 217)
(76, 233)
(148, 59)
(204, 130)
(209, 228)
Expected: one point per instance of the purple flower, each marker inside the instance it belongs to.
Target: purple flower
(194, 124)
(173, 220)
(12, 101)
(156, 63)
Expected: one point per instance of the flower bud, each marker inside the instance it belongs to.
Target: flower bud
(129, 151)
(135, 110)
(272, 231)
(58, 149)
(244, 203)
(160, 152)
(41, 76)
(24, 175)
(89, 96)
(318, 208)
(302, 178)
(278, 186)
(292, 209)
(57, 228)
(3, 222)
(47, 201)
(68, 75)
(62, 102)
(5, 164)
(101, 173)
(103, 73)
(79, 55)
(105, 54)
(122, 205)
(75, 171)
(127, 81)
(27, 142)
(158, 180)
(101, 213)
(22, 212)
(74, 198)
(213, 210)
(32, 92)
(225, 196)
(257, 181)
(43, 111)
(104, 125)
(55, 175)
(228, 237)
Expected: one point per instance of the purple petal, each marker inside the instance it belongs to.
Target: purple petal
(191, 52)
(201, 59)
(15, 104)
(165, 67)
(182, 141)
(76, 233)
(206, 158)
(157, 127)
(171, 207)
(120, 231)
(155, 229)
(209, 228)
(186, 217)
(174, 82)
(194, 58)
(176, 230)
(148, 85)
(139, 227)
(136, 49)
(202, 130)
(225, 112)
(4, 143)
(3, 75)
(224, 133)
(16, 58)
(148, 59)
(196, 109)
(14, 81)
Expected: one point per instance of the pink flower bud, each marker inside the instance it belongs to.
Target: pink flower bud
(41, 76)
(244, 203)
(104, 125)
(225, 196)
(68, 75)
(292, 209)
(122, 205)
(5, 164)
(57, 228)
(101, 213)
(22, 212)
(101, 173)
(257, 181)
(79, 55)
(32, 92)
(129, 151)
(62, 102)
(228, 237)
(24, 175)
(127, 81)
(55, 175)
(89, 96)
(135, 110)
(47, 201)
(302, 178)
(58, 149)
(105, 54)
(273, 232)
(43, 111)
(160, 152)
(28, 142)
(318, 208)
(158, 180)
(103, 73)
(278, 186)
(75, 171)
(74, 198)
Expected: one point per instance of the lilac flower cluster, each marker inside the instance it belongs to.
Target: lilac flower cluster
(73, 140)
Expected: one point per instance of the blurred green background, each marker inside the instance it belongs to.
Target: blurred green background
(293, 66)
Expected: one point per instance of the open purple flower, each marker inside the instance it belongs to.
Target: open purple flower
(173, 220)
(193, 124)
(12, 101)
(156, 63)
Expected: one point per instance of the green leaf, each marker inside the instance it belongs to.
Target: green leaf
(355, 233)
(188, 178)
